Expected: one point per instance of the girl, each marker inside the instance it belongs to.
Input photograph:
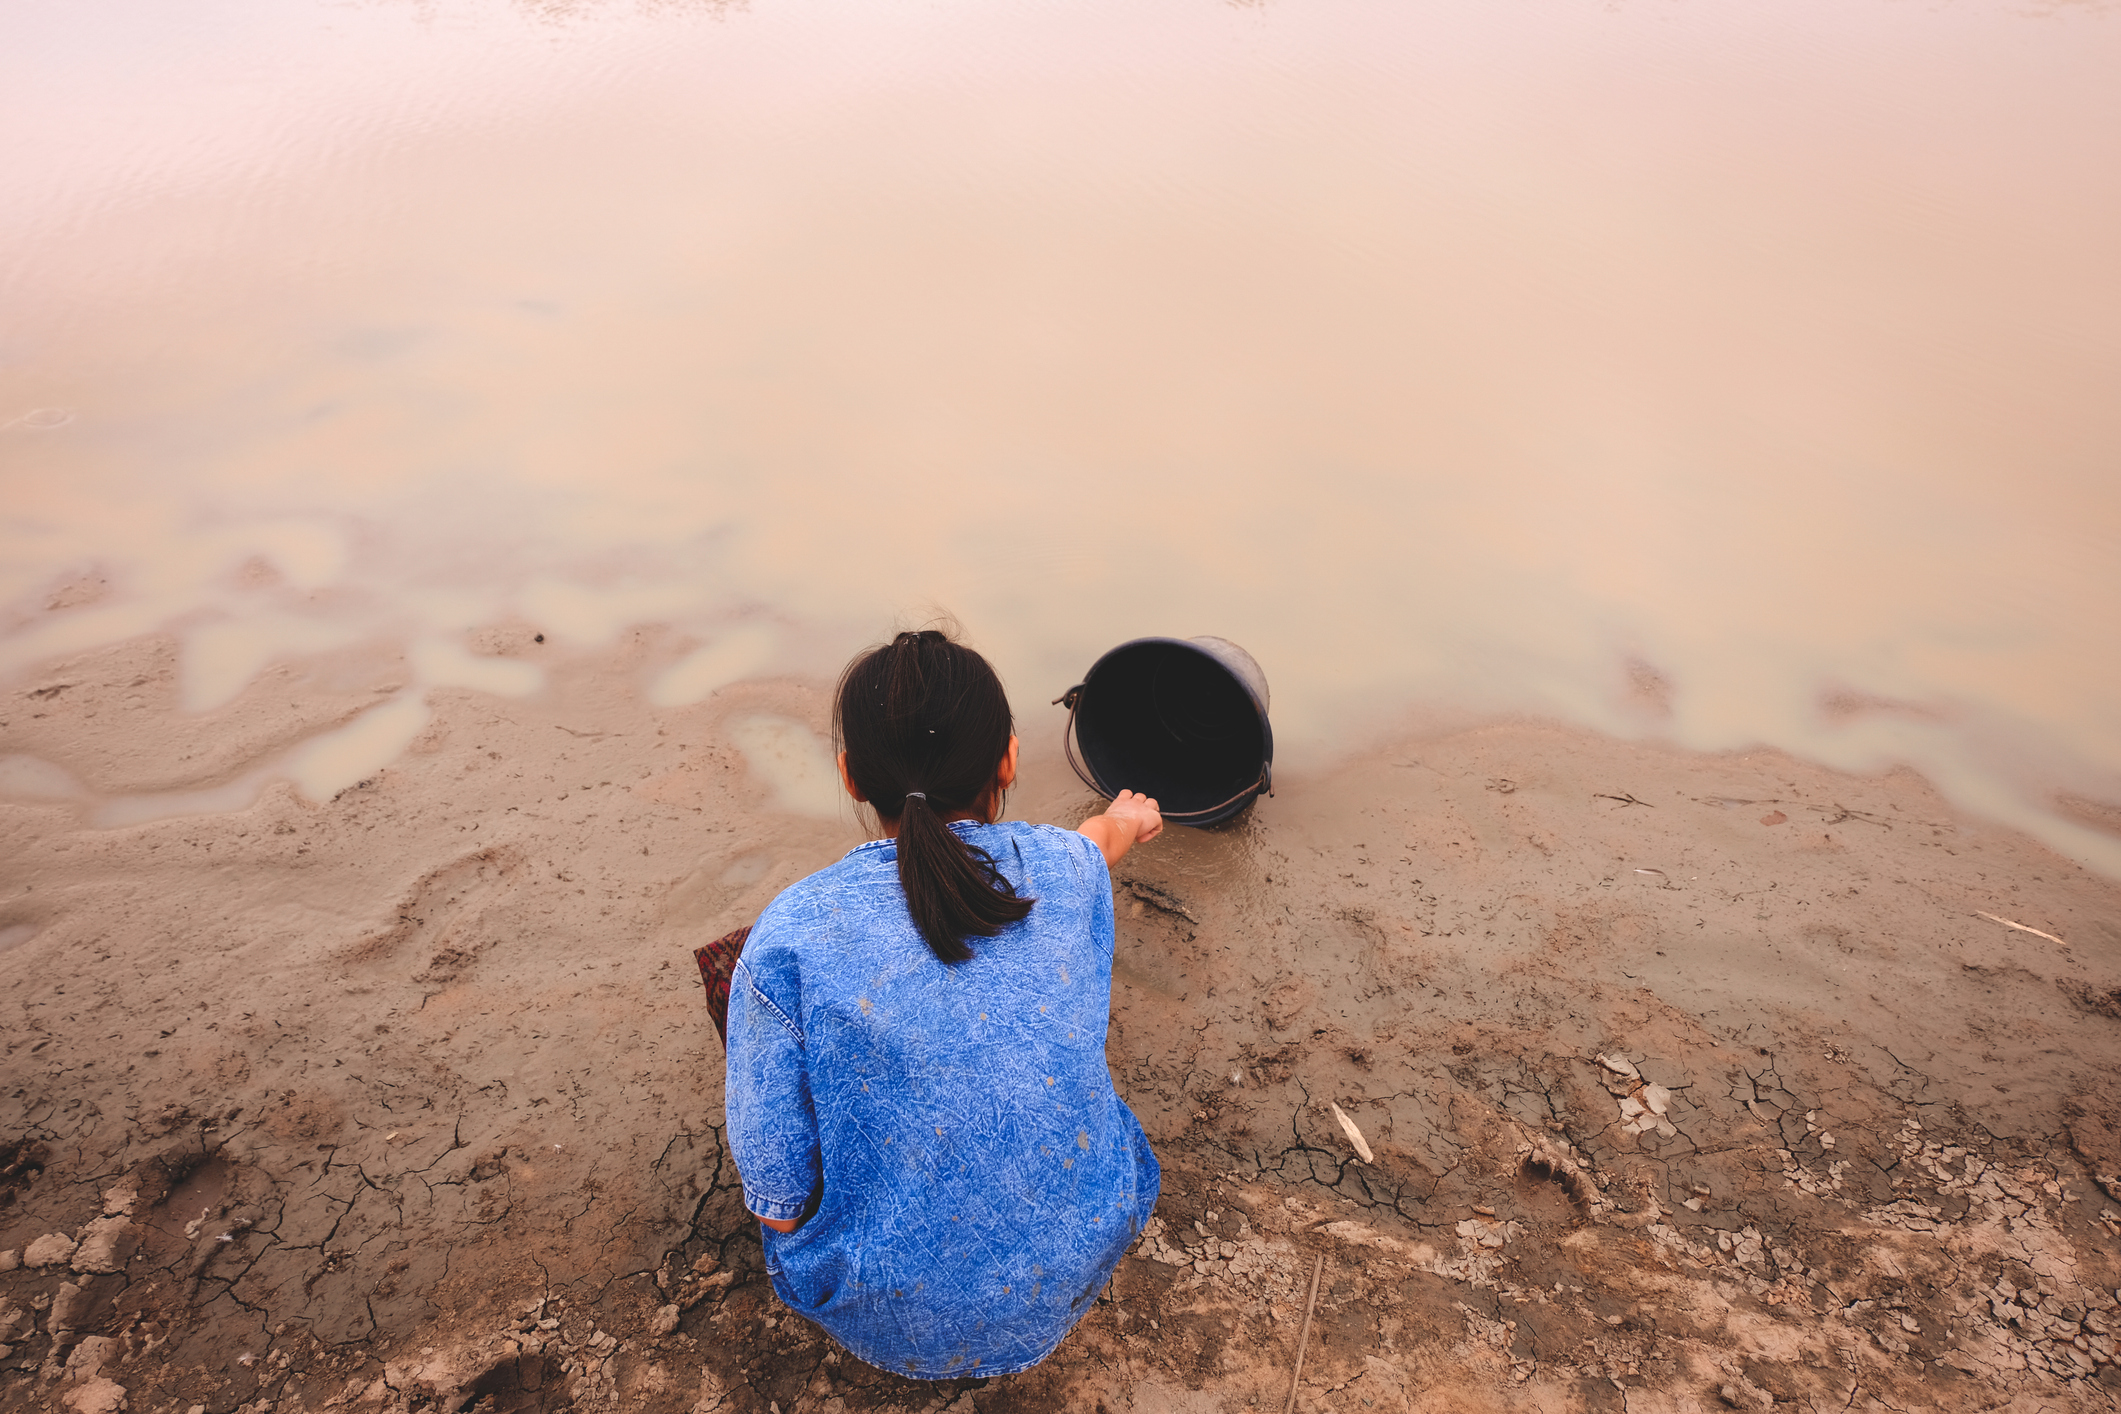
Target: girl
(918, 1099)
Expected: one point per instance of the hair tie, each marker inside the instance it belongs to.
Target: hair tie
(916, 795)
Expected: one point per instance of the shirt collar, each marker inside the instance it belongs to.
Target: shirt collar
(959, 825)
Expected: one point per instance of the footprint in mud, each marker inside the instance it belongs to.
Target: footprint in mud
(225, 1244)
(519, 1384)
(22, 1162)
(1550, 1193)
(178, 1197)
(177, 1214)
(441, 916)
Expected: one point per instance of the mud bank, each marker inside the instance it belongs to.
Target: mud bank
(1691, 1082)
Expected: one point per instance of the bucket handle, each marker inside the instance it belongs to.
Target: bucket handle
(1263, 786)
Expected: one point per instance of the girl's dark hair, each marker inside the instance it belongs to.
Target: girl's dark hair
(926, 715)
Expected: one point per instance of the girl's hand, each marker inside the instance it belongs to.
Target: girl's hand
(1132, 805)
(1129, 820)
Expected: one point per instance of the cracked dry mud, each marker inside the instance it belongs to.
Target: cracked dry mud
(408, 1101)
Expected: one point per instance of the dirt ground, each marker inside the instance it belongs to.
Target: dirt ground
(1690, 1082)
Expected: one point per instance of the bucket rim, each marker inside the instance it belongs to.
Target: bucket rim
(1258, 704)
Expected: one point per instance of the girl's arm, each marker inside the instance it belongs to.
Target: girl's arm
(1131, 819)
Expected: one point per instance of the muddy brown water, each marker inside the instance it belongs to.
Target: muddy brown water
(1726, 373)
(1658, 452)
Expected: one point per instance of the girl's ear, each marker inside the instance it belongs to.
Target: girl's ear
(860, 799)
(1004, 774)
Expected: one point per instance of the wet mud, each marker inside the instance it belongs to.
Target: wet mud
(1689, 1082)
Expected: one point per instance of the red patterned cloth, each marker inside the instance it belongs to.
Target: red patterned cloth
(717, 962)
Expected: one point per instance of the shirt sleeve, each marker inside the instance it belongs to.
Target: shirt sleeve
(772, 1124)
(1092, 880)
(1098, 878)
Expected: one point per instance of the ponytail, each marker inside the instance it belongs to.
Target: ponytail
(952, 887)
(925, 724)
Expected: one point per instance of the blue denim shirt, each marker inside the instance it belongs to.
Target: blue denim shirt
(976, 1177)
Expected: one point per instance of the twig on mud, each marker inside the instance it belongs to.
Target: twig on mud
(2020, 927)
(1304, 1340)
(1159, 899)
(1625, 800)
(1842, 812)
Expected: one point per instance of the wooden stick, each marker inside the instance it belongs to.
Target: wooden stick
(2020, 927)
(1303, 1341)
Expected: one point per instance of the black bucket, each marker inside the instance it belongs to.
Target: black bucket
(1180, 719)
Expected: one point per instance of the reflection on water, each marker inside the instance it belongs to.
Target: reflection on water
(1729, 373)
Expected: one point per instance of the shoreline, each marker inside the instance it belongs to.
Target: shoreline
(124, 748)
(430, 1054)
